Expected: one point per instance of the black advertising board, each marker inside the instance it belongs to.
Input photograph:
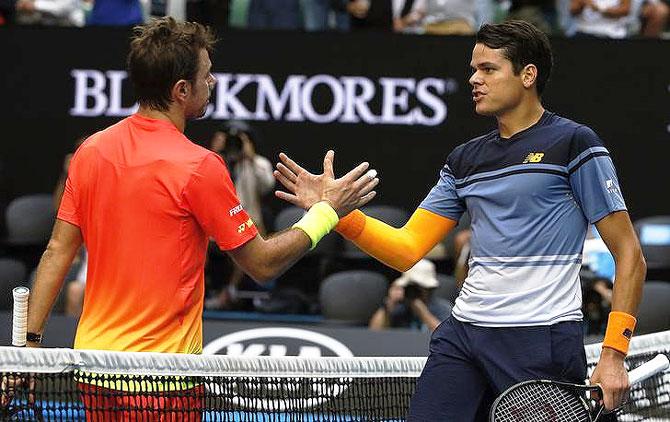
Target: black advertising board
(401, 102)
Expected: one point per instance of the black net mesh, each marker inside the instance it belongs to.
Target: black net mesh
(69, 396)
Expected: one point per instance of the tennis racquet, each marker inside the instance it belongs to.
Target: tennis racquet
(544, 401)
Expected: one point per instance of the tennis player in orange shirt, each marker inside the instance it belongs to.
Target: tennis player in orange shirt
(144, 200)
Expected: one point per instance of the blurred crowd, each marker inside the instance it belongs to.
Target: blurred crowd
(585, 18)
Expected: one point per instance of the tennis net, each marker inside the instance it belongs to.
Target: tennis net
(70, 385)
(65, 384)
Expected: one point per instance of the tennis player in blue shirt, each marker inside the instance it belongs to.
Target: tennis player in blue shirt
(531, 186)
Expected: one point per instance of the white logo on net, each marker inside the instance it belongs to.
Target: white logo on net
(234, 343)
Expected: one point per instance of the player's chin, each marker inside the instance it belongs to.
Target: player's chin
(201, 112)
(482, 110)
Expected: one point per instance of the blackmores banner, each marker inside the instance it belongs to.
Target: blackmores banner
(401, 102)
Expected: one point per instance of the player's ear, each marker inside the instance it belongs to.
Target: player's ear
(529, 75)
(180, 90)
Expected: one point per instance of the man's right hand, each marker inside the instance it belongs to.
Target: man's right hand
(345, 194)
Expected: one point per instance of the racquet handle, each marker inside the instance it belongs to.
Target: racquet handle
(658, 364)
(20, 316)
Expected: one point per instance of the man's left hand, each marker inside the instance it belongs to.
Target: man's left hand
(612, 377)
(345, 194)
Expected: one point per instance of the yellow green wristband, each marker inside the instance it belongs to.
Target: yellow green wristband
(317, 222)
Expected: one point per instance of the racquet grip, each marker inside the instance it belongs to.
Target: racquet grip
(20, 316)
(648, 369)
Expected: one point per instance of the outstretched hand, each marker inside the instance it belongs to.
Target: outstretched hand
(345, 194)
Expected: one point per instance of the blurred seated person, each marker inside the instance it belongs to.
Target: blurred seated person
(50, 12)
(253, 179)
(446, 17)
(322, 15)
(601, 18)
(274, 14)
(116, 13)
(209, 12)
(654, 16)
(410, 303)
(386, 15)
(541, 13)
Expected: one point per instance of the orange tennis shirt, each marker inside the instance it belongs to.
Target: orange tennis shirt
(146, 200)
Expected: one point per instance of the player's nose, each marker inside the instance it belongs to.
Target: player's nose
(475, 79)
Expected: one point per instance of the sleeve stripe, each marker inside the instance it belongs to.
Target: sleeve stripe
(588, 158)
(578, 159)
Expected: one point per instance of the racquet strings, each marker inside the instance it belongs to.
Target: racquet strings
(539, 402)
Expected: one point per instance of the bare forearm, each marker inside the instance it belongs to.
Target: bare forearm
(423, 313)
(380, 320)
(265, 259)
(623, 9)
(284, 250)
(51, 272)
(631, 270)
(576, 7)
(619, 235)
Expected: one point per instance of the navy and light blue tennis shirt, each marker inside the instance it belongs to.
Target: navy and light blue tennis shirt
(531, 198)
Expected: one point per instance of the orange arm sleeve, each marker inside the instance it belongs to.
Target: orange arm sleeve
(399, 248)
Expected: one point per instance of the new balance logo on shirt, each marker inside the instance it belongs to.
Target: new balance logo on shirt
(533, 157)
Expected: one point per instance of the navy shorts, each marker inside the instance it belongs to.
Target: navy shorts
(469, 366)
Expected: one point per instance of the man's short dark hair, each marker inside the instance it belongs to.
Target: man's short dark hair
(522, 44)
(161, 53)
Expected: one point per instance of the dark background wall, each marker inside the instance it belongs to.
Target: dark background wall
(619, 88)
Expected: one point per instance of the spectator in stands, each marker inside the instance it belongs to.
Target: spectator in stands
(253, 179)
(447, 17)
(318, 14)
(601, 18)
(274, 14)
(209, 12)
(386, 15)
(654, 17)
(410, 303)
(116, 13)
(541, 13)
(251, 172)
(50, 12)
(370, 14)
